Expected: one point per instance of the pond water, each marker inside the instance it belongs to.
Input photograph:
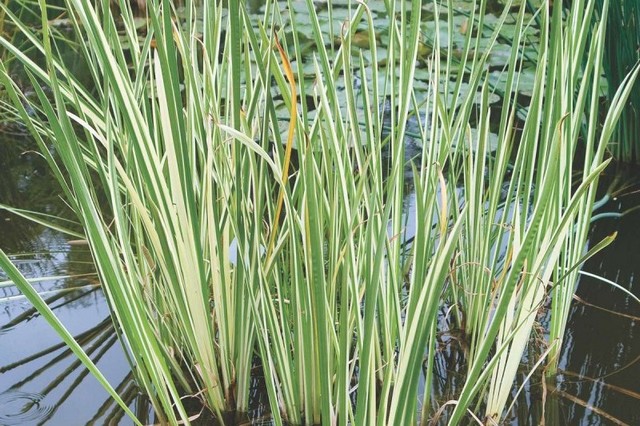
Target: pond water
(42, 381)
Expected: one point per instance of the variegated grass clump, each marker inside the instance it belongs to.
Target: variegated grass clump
(209, 247)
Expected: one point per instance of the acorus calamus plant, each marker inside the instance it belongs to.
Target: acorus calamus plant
(211, 248)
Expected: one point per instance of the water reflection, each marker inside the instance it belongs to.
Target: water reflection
(42, 381)
(601, 361)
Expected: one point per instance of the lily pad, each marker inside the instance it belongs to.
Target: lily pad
(525, 84)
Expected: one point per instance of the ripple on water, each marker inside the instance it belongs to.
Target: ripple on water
(18, 408)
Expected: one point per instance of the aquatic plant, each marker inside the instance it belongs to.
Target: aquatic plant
(210, 244)
(621, 54)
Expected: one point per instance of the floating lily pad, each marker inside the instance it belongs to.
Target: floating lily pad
(525, 84)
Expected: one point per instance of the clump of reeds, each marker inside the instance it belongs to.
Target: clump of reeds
(208, 249)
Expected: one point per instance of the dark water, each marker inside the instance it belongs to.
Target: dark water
(601, 360)
(599, 380)
(41, 381)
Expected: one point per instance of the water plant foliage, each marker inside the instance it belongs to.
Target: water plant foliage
(620, 56)
(213, 245)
